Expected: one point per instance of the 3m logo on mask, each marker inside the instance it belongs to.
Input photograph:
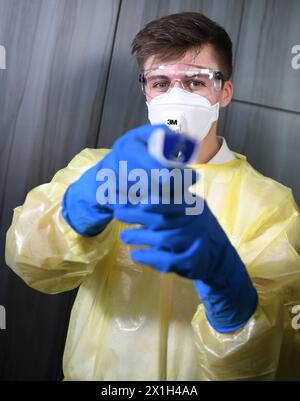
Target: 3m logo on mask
(172, 122)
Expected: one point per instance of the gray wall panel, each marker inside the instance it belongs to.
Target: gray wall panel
(53, 89)
(269, 138)
(124, 103)
(58, 54)
(264, 74)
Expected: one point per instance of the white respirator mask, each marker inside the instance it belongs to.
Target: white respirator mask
(183, 112)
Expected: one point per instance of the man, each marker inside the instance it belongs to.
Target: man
(183, 307)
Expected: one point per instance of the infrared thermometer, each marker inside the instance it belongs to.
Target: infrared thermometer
(172, 149)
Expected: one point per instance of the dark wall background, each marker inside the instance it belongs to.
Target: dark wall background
(71, 83)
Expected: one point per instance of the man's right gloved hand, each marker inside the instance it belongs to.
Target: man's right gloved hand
(80, 207)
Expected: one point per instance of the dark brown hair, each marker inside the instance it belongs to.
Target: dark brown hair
(171, 36)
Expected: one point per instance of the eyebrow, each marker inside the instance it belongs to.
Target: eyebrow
(157, 77)
(160, 76)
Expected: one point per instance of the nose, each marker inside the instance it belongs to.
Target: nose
(177, 83)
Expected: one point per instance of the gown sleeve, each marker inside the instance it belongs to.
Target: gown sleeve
(268, 346)
(41, 247)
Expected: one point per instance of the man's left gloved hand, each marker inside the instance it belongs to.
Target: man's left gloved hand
(82, 206)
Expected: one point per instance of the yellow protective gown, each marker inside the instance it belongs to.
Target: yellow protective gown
(130, 322)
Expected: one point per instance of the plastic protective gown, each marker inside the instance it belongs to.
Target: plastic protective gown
(130, 322)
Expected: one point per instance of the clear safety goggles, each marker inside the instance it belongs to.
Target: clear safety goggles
(192, 78)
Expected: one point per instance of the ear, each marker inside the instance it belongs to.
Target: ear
(227, 94)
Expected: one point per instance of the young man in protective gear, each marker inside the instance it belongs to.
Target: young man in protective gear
(166, 295)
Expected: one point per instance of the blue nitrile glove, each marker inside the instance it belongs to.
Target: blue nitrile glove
(81, 208)
(195, 247)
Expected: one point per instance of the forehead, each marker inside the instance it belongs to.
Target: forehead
(203, 57)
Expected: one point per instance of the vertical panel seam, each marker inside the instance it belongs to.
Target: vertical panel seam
(108, 72)
(239, 33)
(234, 58)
